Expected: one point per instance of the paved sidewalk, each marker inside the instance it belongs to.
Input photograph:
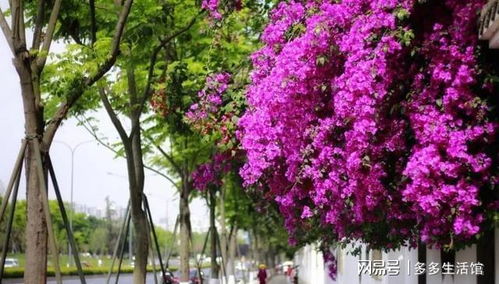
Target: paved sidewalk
(279, 279)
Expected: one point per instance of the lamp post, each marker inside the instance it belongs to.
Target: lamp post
(73, 151)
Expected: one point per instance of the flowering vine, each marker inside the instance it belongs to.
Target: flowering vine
(210, 100)
(214, 7)
(211, 173)
(371, 121)
(208, 117)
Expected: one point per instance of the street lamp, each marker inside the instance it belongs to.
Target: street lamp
(73, 151)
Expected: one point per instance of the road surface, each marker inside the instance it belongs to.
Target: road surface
(94, 279)
(91, 279)
(279, 279)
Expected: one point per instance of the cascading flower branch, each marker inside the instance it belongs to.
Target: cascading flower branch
(201, 115)
(448, 164)
(216, 112)
(371, 122)
(214, 7)
(211, 173)
(208, 117)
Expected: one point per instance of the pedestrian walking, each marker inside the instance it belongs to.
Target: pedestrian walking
(262, 274)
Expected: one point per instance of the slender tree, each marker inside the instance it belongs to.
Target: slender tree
(214, 111)
(132, 145)
(29, 63)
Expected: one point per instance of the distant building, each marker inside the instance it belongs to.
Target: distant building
(89, 210)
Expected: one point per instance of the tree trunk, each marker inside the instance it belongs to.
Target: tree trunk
(223, 238)
(111, 235)
(213, 236)
(251, 253)
(184, 222)
(135, 168)
(139, 218)
(231, 269)
(256, 250)
(141, 246)
(139, 222)
(273, 258)
(36, 227)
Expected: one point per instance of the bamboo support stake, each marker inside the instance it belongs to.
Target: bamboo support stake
(64, 215)
(148, 211)
(118, 243)
(9, 224)
(15, 172)
(6, 31)
(175, 229)
(153, 255)
(220, 248)
(198, 262)
(123, 247)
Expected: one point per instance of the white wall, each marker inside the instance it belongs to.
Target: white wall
(496, 240)
(313, 271)
(407, 258)
(311, 265)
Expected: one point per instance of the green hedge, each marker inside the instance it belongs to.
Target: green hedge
(18, 272)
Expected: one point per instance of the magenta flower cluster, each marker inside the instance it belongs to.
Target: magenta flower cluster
(447, 164)
(211, 173)
(212, 7)
(330, 260)
(210, 101)
(368, 117)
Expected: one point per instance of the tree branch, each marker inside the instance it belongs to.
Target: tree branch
(154, 57)
(49, 34)
(37, 34)
(120, 27)
(163, 175)
(76, 92)
(132, 91)
(17, 40)
(93, 23)
(112, 114)
(96, 136)
(166, 155)
(7, 32)
(135, 109)
(22, 27)
(115, 45)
